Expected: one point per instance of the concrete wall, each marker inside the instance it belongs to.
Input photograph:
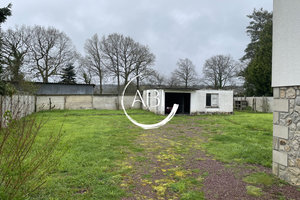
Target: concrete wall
(78, 102)
(286, 43)
(18, 105)
(259, 104)
(105, 102)
(111, 102)
(74, 102)
(43, 102)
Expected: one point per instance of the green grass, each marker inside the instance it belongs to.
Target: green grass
(192, 195)
(99, 142)
(260, 178)
(254, 191)
(242, 137)
(184, 187)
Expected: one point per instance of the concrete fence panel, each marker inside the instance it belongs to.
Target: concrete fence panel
(105, 102)
(259, 104)
(128, 101)
(79, 102)
(18, 105)
(50, 103)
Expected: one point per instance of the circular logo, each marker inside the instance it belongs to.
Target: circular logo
(147, 126)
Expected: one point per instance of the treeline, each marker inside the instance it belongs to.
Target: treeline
(46, 54)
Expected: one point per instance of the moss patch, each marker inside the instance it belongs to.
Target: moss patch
(254, 191)
(260, 178)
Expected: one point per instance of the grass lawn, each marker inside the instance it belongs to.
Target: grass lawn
(97, 142)
(101, 143)
(242, 137)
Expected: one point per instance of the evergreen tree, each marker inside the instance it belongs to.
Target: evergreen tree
(4, 13)
(258, 54)
(68, 75)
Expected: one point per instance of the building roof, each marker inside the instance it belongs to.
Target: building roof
(174, 88)
(81, 84)
(185, 89)
(64, 89)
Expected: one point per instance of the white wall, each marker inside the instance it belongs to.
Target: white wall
(198, 101)
(152, 102)
(286, 43)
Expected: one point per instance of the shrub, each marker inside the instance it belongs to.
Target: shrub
(23, 164)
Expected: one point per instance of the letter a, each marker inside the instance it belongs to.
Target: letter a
(141, 99)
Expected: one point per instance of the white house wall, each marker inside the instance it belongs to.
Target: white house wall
(152, 103)
(286, 43)
(198, 101)
(197, 104)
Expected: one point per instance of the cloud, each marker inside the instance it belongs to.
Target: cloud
(196, 29)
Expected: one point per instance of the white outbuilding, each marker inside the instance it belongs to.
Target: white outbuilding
(191, 101)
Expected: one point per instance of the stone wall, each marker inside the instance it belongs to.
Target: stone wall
(286, 134)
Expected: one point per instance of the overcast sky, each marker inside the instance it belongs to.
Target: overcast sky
(173, 29)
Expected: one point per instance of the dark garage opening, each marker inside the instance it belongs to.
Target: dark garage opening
(183, 99)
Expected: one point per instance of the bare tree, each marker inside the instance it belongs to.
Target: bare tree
(111, 54)
(158, 79)
(50, 51)
(144, 60)
(153, 77)
(15, 52)
(93, 60)
(185, 73)
(123, 57)
(173, 81)
(84, 72)
(219, 71)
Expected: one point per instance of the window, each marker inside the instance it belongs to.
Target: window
(212, 100)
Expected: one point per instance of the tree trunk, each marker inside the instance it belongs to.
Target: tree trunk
(118, 80)
(100, 85)
(138, 83)
(118, 99)
(45, 80)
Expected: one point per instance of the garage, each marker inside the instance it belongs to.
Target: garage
(183, 99)
(190, 101)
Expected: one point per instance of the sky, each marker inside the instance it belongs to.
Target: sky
(173, 29)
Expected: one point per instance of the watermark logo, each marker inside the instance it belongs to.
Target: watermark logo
(147, 126)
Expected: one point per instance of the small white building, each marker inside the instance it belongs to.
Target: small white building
(191, 101)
